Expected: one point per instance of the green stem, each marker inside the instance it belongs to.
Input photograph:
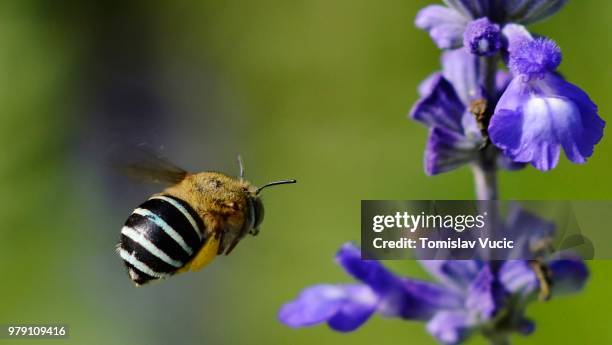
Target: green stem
(489, 73)
(485, 169)
(485, 180)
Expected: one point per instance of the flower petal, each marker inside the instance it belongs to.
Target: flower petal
(451, 327)
(530, 11)
(569, 275)
(515, 35)
(509, 164)
(427, 86)
(455, 274)
(370, 272)
(314, 305)
(480, 295)
(399, 297)
(532, 141)
(578, 143)
(445, 25)
(420, 300)
(518, 277)
(502, 80)
(447, 150)
(462, 70)
(321, 303)
(351, 315)
(442, 108)
(534, 118)
(470, 8)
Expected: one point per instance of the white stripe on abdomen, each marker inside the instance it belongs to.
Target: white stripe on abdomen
(184, 211)
(139, 238)
(167, 228)
(139, 265)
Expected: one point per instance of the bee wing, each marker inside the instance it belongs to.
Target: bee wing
(149, 166)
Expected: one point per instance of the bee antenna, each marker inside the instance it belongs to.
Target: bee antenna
(274, 184)
(241, 166)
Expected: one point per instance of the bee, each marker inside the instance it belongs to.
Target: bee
(183, 228)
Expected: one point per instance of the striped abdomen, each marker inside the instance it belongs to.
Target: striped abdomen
(160, 237)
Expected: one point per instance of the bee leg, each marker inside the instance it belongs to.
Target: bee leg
(221, 237)
(254, 231)
(232, 246)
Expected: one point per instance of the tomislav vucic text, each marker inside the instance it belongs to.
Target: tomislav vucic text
(449, 243)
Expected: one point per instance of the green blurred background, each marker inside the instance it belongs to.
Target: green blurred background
(314, 90)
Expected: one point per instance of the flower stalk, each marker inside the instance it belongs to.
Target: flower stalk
(485, 179)
(485, 169)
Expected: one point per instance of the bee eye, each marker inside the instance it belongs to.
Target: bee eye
(259, 212)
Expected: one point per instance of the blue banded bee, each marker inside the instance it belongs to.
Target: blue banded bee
(183, 228)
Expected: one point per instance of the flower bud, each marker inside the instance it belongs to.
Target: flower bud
(482, 37)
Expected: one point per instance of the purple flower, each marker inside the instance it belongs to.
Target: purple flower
(345, 307)
(455, 137)
(446, 24)
(539, 113)
(469, 296)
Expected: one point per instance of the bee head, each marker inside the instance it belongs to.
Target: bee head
(258, 208)
(255, 204)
